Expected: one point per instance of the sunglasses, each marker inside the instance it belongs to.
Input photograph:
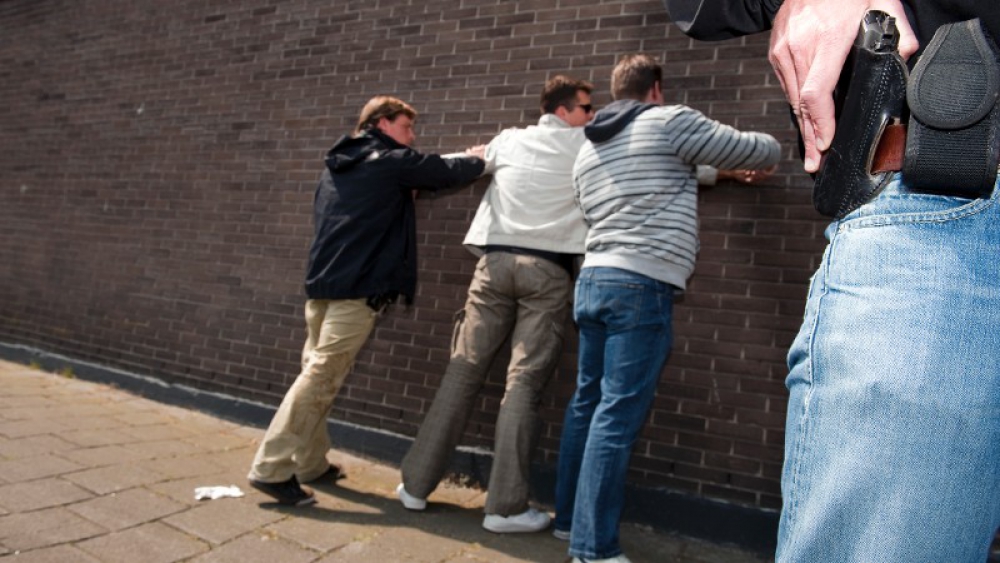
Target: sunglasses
(587, 108)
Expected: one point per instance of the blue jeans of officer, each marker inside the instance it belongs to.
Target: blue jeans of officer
(892, 450)
(625, 337)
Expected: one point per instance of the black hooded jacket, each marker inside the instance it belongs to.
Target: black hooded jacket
(364, 217)
(711, 20)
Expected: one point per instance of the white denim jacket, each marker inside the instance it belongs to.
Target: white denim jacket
(530, 202)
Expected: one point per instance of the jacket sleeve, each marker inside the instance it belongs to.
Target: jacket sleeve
(493, 151)
(701, 140)
(713, 20)
(435, 172)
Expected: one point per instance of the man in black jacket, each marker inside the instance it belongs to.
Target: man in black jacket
(892, 449)
(363, 257)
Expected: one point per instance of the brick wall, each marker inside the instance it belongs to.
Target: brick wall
(157, 168)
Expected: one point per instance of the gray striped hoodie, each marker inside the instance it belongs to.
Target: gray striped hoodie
(635, 180)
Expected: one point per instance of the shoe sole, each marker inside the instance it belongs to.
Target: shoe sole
(514, 529)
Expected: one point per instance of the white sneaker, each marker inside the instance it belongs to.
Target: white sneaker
(409, 501)
(619, 559)
(530, 520)
(560, 534)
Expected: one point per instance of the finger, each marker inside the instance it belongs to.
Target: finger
(816, 96)
(784, 69)
(812, 154)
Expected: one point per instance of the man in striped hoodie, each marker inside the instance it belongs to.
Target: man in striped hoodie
(635, 180)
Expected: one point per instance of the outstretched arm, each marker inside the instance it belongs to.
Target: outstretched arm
(710, 175)
(748, 176)
(810, 41)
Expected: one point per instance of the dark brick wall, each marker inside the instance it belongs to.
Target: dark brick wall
(157, 168)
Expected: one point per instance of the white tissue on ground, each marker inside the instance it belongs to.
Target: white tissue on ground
(202, 493)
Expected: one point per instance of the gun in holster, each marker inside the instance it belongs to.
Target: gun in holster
(950, 143)
(870, 96)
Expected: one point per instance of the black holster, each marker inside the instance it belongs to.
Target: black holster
(870, 95)
(949, 102)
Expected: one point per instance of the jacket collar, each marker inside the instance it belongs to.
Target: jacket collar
(553, 120)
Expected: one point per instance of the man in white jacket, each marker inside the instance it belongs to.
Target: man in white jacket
(528, 231)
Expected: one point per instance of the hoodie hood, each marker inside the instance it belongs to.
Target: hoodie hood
(614, 117)
(349, 150)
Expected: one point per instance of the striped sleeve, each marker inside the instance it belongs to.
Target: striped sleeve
(704, 141)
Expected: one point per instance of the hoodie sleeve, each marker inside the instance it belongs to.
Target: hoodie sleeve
(713, 20)
(434, 172)
(704, 141)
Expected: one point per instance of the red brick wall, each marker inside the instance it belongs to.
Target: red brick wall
(157, 168)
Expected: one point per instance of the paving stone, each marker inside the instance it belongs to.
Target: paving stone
(35, 445)
(236, 459)
(57, 554)
(113, 478)
(694, 551)
(43, 493)
(126, 509)
(78, 423)
(149, 543)
(136, 403)
(42, 528)
(181, 467)
(21, 428)
(37, 467)
(8, 403)
(78, 411)
(153, 449)
(143, 418)
(347, 497)
(258, 548)
(397, 545)
(220, 442)
(513, 547)
(98, 437)
(221, 520)
(25, 412)
(322, 535)
(182, 490)
(156, 432)
(101, 456)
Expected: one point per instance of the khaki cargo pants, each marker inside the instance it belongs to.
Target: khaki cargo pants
(297, 441)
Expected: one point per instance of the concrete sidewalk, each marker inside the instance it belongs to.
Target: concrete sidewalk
(92, 473)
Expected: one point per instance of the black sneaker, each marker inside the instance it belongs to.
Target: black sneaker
(286, 492)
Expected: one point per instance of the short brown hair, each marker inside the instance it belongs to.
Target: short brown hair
(560, 91)
(634, 76)
(383, 106)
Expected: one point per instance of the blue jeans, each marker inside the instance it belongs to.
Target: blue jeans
(625, 336)
(892, 449)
